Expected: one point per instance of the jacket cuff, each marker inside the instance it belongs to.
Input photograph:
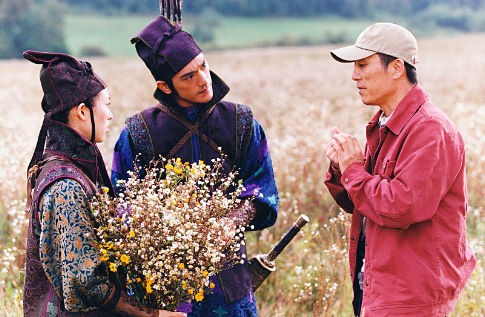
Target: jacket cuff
(333, 175)
(335, 170)
(352, 175)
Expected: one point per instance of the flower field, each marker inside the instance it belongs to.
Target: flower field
(297, 94)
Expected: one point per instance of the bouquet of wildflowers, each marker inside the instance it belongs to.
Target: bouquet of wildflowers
(169, 232)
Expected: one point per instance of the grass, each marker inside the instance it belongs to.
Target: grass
(112, 34)
(243, 32)
(297, 94)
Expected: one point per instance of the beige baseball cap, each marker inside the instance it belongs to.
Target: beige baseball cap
(386, 38)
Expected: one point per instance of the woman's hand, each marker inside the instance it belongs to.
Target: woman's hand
(128, 306)
(165, 313)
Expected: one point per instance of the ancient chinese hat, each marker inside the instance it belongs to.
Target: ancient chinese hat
(165, 48)
(387, 38)
(66, 83)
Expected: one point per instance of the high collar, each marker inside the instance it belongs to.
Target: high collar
(404, 111)
(219, 87)
(65, 141)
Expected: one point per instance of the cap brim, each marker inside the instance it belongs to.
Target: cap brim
(350, 54)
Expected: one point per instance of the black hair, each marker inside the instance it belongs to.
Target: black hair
(63, 116)
(410, 70)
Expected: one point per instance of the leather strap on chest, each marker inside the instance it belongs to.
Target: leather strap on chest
(192, 129)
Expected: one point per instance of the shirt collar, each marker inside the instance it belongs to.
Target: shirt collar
(404, 111)
(383, 118)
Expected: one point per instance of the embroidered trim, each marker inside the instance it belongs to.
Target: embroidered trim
(244, 121)
(141, 137)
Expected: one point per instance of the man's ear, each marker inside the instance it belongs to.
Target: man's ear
(398, 68)
(162, 85)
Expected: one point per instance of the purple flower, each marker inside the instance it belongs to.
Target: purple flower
(185, 307)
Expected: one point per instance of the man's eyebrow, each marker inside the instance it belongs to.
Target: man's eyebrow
(187, 74)
(192, 72)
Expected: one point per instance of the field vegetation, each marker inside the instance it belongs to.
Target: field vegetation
(104, 27)
(112, 34)
(297, 94)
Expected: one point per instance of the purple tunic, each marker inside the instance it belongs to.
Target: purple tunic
(256, 171)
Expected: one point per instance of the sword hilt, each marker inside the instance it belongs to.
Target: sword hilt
(273, 254)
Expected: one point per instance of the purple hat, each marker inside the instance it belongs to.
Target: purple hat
(66, 83)
(165, 48)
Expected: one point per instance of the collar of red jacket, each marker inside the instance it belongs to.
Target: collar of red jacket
(404, 110)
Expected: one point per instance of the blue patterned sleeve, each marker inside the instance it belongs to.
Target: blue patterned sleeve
(258, 179)
(123, 158)
(68, 251)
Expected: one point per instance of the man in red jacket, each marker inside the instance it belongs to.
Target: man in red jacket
(407, 192)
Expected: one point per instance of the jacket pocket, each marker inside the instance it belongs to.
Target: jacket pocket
(388, 170)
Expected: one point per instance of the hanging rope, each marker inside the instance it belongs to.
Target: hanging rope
(172, 10)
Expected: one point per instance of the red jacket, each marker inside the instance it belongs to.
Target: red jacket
(414, 195)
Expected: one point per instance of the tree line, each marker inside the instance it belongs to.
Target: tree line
(295, 8)
(26, 24)
(38, 24)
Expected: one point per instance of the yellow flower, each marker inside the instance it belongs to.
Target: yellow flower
(168, 167)
(104, 258)
(138, 280)
(106, 189)
(211, 285)
(184, 286)
(132, 233)
(150, 280)
(199, 296)
(177, 170)
(181, 265)
(191, 291)
(113, 267)
(205, 273)
(125, 259)
(104, 251)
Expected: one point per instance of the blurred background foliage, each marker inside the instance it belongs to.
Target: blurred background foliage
(26, 24)
(104, 27)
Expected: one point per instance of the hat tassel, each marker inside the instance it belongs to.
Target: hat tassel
(172, 10)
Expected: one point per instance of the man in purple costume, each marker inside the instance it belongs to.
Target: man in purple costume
(191, 121)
